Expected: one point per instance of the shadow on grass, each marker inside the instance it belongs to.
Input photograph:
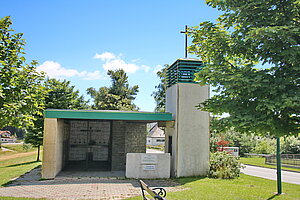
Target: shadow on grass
(272, 197)
(22, 164)
(7, 184)
(185, 180)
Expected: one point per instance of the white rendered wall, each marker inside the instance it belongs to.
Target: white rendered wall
(171, 106)
(148, 166)
(190, 134)
(52, 147)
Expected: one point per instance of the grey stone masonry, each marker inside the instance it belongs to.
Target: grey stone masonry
(135, 141)
(127, 137)
(118, 146)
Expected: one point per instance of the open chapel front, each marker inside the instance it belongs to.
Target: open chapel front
(73, 142)
(103, 140)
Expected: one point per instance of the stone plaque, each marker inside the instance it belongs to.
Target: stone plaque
(149, 159)
(149, 167)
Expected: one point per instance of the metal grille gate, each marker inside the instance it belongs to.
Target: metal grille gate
(89, 146)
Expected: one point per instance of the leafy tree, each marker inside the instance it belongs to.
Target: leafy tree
(245, 142)
(160, 93)
(61, 95)
(265, 100)
(265, 146)
(21, 90)
(119, 96)
(291, 145)
(34, 134)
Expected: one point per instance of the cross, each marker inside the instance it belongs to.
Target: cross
(186, 38)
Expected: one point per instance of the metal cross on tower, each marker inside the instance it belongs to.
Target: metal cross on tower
(186, 38)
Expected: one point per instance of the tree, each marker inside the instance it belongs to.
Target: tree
(34, 134)
(119, 96)
(291, 145)
(265, 100)
(61, 95)
(21, 90)
(160, 93)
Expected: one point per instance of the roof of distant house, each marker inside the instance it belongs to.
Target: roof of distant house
(155, 131)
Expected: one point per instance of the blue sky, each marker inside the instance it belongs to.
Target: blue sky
(80, 40)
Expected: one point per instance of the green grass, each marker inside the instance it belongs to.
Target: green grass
(258, 161)
(16, 167)
(157, 147)
(6, 153)
(19, 147)
(245, 187)
(17, 198)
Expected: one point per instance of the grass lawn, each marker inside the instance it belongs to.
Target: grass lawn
(18, 198)
(157, 147)
(245, 187)
(258, 161)
(16, 167)
(17, 148)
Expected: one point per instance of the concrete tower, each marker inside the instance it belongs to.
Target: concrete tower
(187, 139)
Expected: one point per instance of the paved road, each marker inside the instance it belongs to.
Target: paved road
(288, 177)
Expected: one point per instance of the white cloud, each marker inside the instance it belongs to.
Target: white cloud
(145, 68)
(113, 62)
(120, 64)
(55, 70)
(157, 68)
(106, 56)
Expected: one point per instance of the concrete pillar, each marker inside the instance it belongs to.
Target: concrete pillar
(53, 147)
(190, 133)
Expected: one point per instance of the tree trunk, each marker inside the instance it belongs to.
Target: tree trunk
(38, 155)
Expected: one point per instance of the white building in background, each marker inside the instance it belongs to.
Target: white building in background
(232, 150)
(156, 135)
(7, 137)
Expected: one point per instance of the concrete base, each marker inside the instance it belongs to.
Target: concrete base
(149, 166)
(188, 138)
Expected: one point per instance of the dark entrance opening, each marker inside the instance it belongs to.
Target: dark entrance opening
(170, 145)
(87, 145)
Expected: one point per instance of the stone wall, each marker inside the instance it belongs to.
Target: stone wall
(135, 140)
(127, 137)
(118, 145)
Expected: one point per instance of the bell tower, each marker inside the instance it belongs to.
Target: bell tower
(187, 139)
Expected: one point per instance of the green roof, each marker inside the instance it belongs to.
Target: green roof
(108, 115)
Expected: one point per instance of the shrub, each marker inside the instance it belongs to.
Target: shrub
(265, 146)
(290, 145)
(223, 165)
(245, 142)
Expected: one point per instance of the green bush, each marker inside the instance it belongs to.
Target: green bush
(265, 146)
(245, 142)
(223, 165)
(290, 145)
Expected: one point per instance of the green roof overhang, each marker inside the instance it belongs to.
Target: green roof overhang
(108, 115)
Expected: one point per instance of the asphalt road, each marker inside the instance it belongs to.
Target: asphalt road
(288, 177)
